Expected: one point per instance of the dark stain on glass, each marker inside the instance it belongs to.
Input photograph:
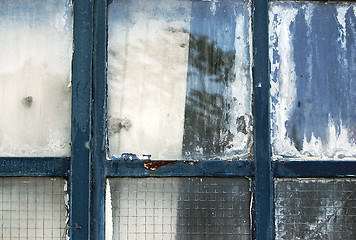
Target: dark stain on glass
(210, 72)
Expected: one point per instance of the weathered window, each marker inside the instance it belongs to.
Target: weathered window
(222, 119)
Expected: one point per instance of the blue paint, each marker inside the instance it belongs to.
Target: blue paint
(315, 168)
(207, 168)
(328, 90)
(34, 166)
(80, 168)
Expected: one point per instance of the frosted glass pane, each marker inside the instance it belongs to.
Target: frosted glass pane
(35, 63)
(313, 79)
(178, 209)
(32, 208)
(179, 79)
(315, 209)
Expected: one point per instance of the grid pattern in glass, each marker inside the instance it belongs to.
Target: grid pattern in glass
(315, 209)
(32, 208)
(178, 208)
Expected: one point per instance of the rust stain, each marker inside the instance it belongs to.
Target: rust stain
(154, 165)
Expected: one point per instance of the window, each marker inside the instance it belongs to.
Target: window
(225, 119)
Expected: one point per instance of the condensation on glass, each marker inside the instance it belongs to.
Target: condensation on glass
(32, 208)
(315, 208)
(179, 79)
(35, 63)
(313, 79)
(178, 208)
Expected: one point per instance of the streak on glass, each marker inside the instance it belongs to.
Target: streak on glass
(179, 79)
(313, 79)
(35, 64)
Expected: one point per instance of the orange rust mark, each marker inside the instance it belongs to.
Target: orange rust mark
(153, 165)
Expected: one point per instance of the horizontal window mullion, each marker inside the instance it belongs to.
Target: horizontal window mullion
(34, 166)
(207, 168)
(313, 168)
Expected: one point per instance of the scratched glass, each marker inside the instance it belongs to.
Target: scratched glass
(35, 64)
(315, 209)
(179, 79)
(178, 208)
(313, 79)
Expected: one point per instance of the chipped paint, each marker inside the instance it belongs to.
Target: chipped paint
(312, 80)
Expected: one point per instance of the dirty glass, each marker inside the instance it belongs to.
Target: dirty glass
(178, 208)
(313, 79)
(179, 79)
(35, 63)
(315, 209)
(32, 208)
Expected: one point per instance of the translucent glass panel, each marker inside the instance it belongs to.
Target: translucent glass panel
(313, 79)
(35, 63)
(315, 209)
(178, 208)
(32, 208)
(179, 79)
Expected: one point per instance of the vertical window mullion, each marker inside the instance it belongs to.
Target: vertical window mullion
(80, 171)
(263, 221)
(99, 120)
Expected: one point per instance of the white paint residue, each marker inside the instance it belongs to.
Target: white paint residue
(283, 87)
(241, 88)
(108, 212)
(213, 8)
(341, 18)
(338, 146)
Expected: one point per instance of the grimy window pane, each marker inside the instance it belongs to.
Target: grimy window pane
(179, 79)
(315, 209)
(32, 208)
(178, 209)
(313, 79)
(35, 63)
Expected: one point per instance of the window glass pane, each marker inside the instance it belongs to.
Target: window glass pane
(313, 79)
(179, 79)
(35, 63)
(32, 208)
(178, 208)
(315, 209)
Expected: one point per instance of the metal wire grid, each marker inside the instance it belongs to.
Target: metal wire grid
(315, 209)
(32, 208)
(180, 208)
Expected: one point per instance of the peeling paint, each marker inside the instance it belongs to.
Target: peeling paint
(313, 69)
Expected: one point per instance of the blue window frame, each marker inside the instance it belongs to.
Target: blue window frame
(87, 168)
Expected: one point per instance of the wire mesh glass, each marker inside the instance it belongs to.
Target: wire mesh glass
(178, 208)
(32, 208)
(315, 209)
